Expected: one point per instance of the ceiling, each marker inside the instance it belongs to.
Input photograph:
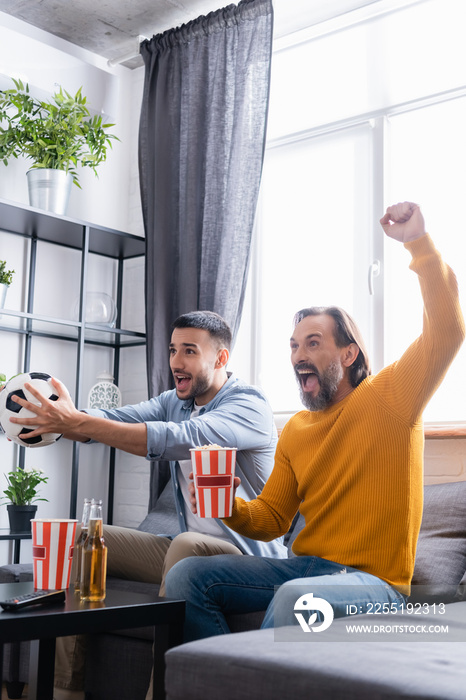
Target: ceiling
(110, 28)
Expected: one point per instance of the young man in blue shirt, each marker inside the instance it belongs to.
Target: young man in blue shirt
(207, 406)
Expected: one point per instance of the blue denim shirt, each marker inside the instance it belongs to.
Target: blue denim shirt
(238, 416)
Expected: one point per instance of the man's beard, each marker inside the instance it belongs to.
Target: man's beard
(329, 381)
(200, 385)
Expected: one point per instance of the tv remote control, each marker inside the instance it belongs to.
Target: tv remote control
(42, 597)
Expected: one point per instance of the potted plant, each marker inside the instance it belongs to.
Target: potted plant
(21, 495)
(57, 135)
(6, 277)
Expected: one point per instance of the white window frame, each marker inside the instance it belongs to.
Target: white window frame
(379, 120)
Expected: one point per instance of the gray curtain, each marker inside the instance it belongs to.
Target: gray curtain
(201, 144)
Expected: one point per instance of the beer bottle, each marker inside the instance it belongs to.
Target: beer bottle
(94, 557)
(80, 542)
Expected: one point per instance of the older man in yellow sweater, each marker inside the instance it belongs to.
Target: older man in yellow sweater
(352, 463)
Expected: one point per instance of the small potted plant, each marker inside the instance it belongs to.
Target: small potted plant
(57, 135)
(6, 277)
(21, 495)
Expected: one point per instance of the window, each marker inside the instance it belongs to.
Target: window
(427, 157)
(361, 116)
(312, 210)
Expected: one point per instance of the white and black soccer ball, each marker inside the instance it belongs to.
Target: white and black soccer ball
(8, 408)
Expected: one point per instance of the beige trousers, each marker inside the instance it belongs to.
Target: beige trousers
(135, 556)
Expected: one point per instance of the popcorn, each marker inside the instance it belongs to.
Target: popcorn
(213, 447)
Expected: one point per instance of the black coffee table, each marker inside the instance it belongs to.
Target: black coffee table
(120, 610)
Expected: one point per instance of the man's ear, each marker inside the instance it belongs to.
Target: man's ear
(222, 358)
(350, 354)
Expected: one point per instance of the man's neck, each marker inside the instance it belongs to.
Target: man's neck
(344, 390)
(219, 382)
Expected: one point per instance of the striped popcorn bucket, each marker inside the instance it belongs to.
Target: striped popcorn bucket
(213, 471)
(52, 552)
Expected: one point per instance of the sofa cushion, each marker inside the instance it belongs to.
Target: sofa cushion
(15, 573)
(8, 573)
(257, 666)
(162, 520)
(441, 549)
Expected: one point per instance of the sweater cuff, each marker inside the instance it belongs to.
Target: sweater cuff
(421, 246)
(235, 518)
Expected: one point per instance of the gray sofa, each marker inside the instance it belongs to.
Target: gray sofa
(340, 665)
(252, 664)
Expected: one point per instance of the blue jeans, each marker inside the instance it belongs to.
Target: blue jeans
(216, 586)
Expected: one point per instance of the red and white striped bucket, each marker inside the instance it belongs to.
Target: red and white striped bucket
(213, 470)
(52, 552)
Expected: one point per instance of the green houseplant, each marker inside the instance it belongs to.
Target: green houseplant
(57, 134)
(22, 486)
(6, 277)
(21, 494)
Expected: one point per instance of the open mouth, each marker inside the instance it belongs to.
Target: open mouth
(309, 380)
(182, 381)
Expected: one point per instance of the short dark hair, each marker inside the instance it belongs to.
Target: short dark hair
(209, 321)
(345, 332)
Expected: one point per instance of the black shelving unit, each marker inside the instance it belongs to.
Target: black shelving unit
(37, 225)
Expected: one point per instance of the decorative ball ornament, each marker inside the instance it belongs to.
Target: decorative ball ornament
(8, 408)
(104, 394)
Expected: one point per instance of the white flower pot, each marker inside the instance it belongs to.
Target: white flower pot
(49, 189)
(3, 291)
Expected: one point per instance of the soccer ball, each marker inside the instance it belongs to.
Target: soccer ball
(8, 407)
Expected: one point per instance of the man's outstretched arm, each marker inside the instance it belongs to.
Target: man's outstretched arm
(422, 367)
(61, 416)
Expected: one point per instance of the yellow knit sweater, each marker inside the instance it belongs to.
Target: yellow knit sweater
(355, 470)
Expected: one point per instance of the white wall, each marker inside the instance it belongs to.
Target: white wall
(112, 201)
(444, 460)
(45, 61)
